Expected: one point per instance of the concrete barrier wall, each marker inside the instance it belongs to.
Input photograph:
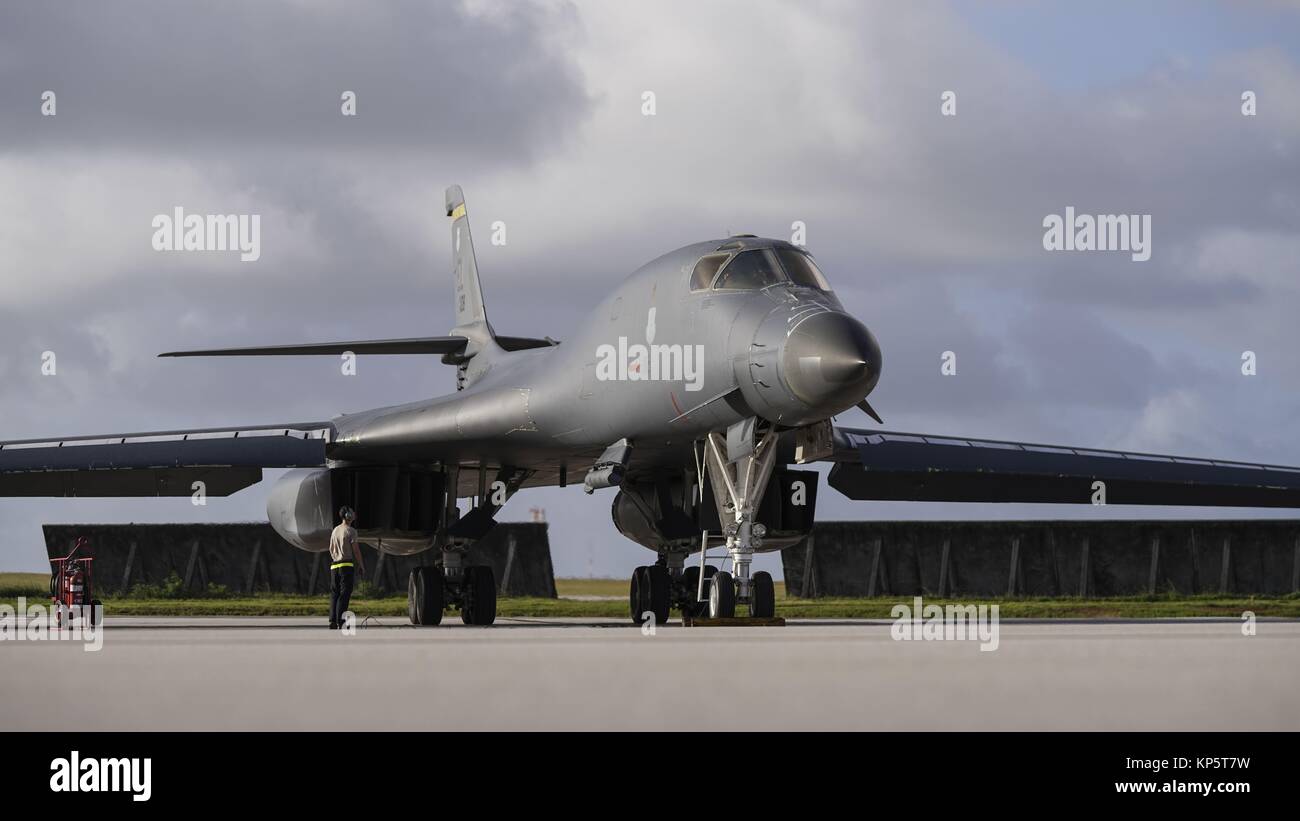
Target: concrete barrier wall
(253, 558)
(1046, 558)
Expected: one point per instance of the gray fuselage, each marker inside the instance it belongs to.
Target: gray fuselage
(657, 363)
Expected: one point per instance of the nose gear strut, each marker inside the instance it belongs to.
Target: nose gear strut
(738, 488)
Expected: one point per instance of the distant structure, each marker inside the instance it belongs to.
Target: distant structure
(247, 558)
(1046, 558)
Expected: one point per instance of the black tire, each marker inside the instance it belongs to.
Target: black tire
(722, 596)
(479, 605)
(691, 581)
(690, 586)
(413, 581)
(659, 597)
(762, 595)
(424, 596)
(638, 600)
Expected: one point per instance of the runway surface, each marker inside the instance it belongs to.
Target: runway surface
(290, 673)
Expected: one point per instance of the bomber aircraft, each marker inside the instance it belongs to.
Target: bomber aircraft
(692, 390)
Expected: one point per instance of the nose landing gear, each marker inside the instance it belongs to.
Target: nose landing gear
(738, 487)
(762, 596)
(722, 597)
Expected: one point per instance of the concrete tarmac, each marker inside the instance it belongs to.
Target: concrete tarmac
(536, 674)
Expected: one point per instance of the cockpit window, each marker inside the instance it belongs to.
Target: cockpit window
(705, 270)
(801, 269)
(750, 270)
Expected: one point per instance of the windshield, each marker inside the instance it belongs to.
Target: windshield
(801, 269)
(750, 270)
(705, 270)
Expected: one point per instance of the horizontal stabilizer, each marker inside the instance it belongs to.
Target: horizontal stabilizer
(415, 345)
(523, 343)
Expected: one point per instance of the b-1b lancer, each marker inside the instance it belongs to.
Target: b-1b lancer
(695, 390)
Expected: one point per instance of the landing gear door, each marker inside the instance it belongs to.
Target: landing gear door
(790, 504)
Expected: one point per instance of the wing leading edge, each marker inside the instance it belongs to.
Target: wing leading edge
(413, 345)
(161, 463)
(892, 466)
(445, 345)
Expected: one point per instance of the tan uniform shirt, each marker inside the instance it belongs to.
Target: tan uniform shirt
(343, 544)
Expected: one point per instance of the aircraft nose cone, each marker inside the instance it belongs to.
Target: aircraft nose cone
(831, 361)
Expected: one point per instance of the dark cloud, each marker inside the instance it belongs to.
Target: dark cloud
(184, 77)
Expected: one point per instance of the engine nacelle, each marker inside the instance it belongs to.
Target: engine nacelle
(636, 516)
(398, 511)
(301, 508)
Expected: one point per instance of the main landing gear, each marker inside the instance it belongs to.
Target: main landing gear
(472, 589)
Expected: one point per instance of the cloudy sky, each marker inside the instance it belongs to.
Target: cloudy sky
(929, 227)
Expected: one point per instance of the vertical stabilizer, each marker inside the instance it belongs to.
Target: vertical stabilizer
(470, 309)
(471, 313)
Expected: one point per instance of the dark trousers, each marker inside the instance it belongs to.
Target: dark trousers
(340, 593)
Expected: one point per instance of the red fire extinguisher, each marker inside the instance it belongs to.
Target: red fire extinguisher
(72, 586)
